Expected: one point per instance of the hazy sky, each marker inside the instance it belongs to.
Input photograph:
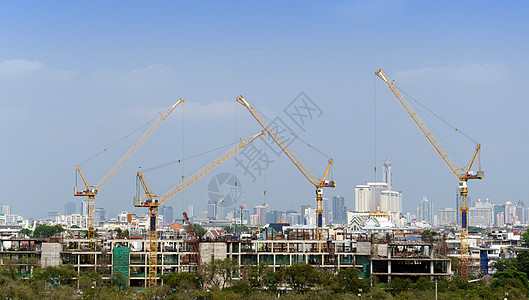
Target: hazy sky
(76, 77)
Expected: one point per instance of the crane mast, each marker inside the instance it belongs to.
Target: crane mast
(318, 183)
(91, 191)
(462, 174)
(153, 202)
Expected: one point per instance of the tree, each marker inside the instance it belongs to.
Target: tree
(398, 285)
(46, 231)
(347, 280)
(255, 275)
(119, 280)
(511, 278)
(120, 234)
(503, 264)
(423, 284)
(301, 276)
(25, 232)
(55, 276)
(181, 281)
(521, 262)
(525, 236)
(219, 272)
(199, 230)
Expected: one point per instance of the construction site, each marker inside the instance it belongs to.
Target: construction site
(371, 246)
(378, 255)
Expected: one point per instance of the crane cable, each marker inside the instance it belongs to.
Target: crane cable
(187, 158)
(117, 142)
(434, 114)
(322, 153)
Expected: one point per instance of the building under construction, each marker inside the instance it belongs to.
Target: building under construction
(382, 256)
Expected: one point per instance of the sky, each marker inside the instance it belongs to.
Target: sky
(76, 77)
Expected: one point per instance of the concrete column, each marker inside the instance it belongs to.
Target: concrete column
(431, 267)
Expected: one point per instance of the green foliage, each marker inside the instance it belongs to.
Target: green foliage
(199, 230)
(55, 276)
(525, 236)
(255, 275)
(301, 276)
(521, 262)
(347, 281)
(119, 280)
(398, 285)
(25, 232)
(504, 264)
(181, 281)
(424, 284)
(512, 278)
(218, 272)
(122, 234)
(46, 231)
(236, 228)
(240, 288)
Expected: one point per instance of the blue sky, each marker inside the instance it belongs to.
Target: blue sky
(76, 77)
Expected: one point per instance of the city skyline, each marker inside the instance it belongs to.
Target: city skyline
(116, 65)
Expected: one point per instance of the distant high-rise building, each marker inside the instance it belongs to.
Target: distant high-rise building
(510, 212)
(52, 215)
(458, 206)
(481, 214)
(167, 212)
(498, 211)
(273, 216)
(362, 198)
(260, 211)
(520, 212)
(84, 208)
(303, 213)
(391, 201)
(190, 211)
(326, 210)
(293, 218)
(5, 209)
(367, 196)
(212, 210)
(242, 214)
(386, 174)
(100, 215)
(425, 211)
(70, 208)
(448, 216)
(338, 210)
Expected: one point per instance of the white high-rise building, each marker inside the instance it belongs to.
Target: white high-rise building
(510, 212)
(425, 211)
(5, 209)
(391, 201)
(362, 198)
(190, 211)
(84, 208)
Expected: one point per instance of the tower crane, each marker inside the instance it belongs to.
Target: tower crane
(463, 174)
(319, 183)
(153, 202)
(91, 191)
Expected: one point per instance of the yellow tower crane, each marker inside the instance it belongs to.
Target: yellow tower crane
(153, 202)
(463, 174)
(317, 182)
(91, 191)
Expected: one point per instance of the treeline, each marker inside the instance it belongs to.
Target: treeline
(222, 279)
